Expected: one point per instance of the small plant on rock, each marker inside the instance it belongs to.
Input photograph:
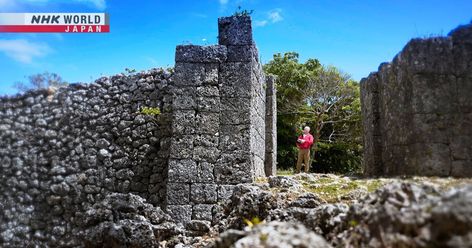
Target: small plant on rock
(243, 12)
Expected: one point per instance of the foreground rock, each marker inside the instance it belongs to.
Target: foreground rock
(273, 234)
(293, 212)
(418, 212)
(125, 220)
(409, 215)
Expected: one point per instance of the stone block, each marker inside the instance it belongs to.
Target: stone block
(180, 213)
(430, 93)
(195, 74)
(235, 104)
(235, 30)
(233, 173)
(202, 212)
(183, 122)
(461, 168)
(243, 53)
(236, 117)
(234, 137)
(178, 193)
(432, 159)
(206, 140)
(182, 171)
(203, 193)
(236, 79)
(207, 123)
(208, 91)
(181, 147)
(464, 93)
(201, 54)
(206, 154)
(208, 104)
(461, 147)
(205, 172)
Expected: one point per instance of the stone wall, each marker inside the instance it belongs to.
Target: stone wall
(62, 152)
(218, 131)
(66, 153)
(417, 110)
(271, 127)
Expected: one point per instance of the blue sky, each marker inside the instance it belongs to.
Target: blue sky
(353, 35)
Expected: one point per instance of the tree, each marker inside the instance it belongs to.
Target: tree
(41, 81)
(333, 108)
(292, 79)
(321, 97)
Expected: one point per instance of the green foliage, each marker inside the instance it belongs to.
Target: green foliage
(130, 71)
(292, 79)
(323, 98)
(150, 111)
(41, 81)
(339, 157)
(253, 222)
(242, 12)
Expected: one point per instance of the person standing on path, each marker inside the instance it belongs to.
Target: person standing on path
(304, 143)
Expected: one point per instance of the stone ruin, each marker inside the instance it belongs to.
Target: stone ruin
(417, 110)
(66, 152)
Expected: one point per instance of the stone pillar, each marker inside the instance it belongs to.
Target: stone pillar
(271, 127)
(218, 122)
(370, 105)
(242, 124)
(191, 188)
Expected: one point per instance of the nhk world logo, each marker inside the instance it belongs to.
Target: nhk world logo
(54, 23)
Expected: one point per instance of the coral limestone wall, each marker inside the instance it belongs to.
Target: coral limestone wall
(417, 110)
(63, 151)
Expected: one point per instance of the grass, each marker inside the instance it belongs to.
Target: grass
(337, 189)
(286, 172)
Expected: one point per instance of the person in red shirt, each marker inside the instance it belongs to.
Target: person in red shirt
(304, 143)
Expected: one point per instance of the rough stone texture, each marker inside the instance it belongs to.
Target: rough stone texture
(63, 151)
(125, 220)
(235, 31)
(270, 165)
(415, 212)
(409, 215)
(417, 111)
(219, 119)
(273, 234)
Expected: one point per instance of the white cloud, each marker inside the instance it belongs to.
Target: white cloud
(275, 15)
(260, 23)
(272, 16)
(223, 2)
(23, 51)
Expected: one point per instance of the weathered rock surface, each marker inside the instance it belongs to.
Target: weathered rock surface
(416, 109)
(410, 215)
(126, 220)
(65, 150)
(403, 213)
(273, 234)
